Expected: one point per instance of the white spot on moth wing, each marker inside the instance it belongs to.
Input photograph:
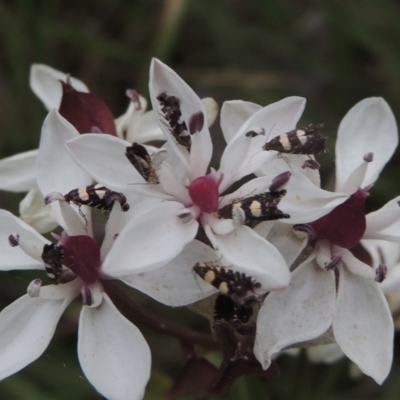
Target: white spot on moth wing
(100, 193)
(209, 276)
(83, 194)
(284, 141)
(302, 138)
(255, 208)
(223, 288)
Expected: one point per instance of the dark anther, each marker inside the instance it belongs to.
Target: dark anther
(255, 131)
(335, 260)
(280, 181)
(380, 273)
(369, 157)
(13, 240)
(132, 94)
(312, 164)
(87, 298)
(305, 228)
(196, 122)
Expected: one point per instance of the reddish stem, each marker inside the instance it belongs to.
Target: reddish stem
(138, 314)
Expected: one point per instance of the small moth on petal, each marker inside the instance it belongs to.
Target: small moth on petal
(236, 285)
(97, 196)
(171, 110)
(299, 141)
(141, 160)
(260, 207)
(53, 256)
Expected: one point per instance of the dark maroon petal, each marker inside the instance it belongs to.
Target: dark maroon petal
(345, 225)
(360, 252)
(204, 193)
(86, 112)
(82, 257)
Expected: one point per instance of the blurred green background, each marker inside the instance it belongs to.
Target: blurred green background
(334, 53)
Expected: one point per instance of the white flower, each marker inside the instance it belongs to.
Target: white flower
(192, 195)
(356, 310)
(18, 173)
(112, 352)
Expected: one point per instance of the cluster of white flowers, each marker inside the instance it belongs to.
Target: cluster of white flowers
(285, 263)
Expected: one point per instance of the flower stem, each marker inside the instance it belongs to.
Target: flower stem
(136, 313)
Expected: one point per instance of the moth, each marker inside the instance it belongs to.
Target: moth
(236, 285)
(141, 160)
(53, 257)
(226, 310)
(97, 196)
(260, 207)
(171, 110)
(299, 141)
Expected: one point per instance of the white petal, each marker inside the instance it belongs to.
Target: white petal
(131, 118)
(164, 79)
(275, 119)
(369, 127)
(56, 171)
(305, 202)
(294, 162)
(63, 291)
(354, 265)
(149, 240)
(212, 108)
(18, 173)
(16, 257)
(172, 185)
(103, 157)
(118, 218)
(289, 245)
(175, 284)
(113, 353)
(26, 328)
(248, 252)
(145, 129)
(45, 83)
(385, 222)
(363, 325)
(35, 213)
(234, 114)
(302, 312)
(73, 223)
(357, 175)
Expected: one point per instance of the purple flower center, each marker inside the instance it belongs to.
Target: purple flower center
(204, 193)
(82, 257)
(345, 225)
